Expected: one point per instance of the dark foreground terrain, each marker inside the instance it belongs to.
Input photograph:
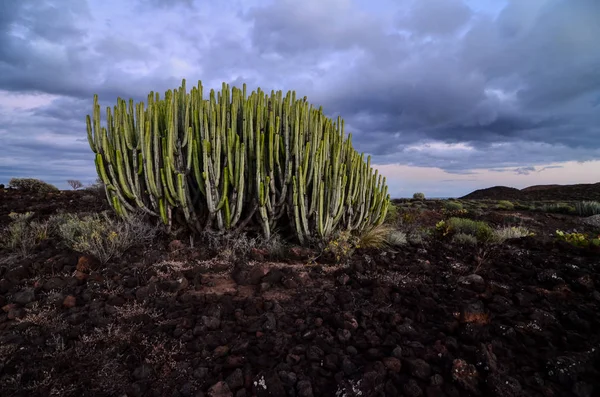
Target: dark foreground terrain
(172, 320)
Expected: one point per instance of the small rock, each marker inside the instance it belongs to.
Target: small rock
(235, 380)
(256, 274)
(176, 245)
(221, 351)
(420, 369)
(392, 364)
(412, 389)
(79, 275)
(343, 279)
(503, 386)
(270, 323)
(24, 297)
(142, 372)
(397, 352)
(211, 323)
(348, 367)
(86, 264)
(201, 373)
(437, 380)
(69, 302)
(220, 389)
(54, 283)
(258, 254)
(314, 353)
(474, 313)
(15, 313)
(304, 388)
(344, 335)
(465, 375)
(474, 281)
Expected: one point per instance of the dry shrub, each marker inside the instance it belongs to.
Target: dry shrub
(104, 237)
(22, 235)
(32, 185)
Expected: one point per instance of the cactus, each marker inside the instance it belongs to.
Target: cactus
(232, 161)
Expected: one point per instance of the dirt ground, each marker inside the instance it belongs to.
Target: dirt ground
(170, 320)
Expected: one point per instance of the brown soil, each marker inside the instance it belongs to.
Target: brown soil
(411, 322)
(539, 193)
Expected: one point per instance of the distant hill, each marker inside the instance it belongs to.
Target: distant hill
(590, 191)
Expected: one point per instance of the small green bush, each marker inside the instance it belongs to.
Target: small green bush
(505, 205)
(464, 239)
(22, 234)
(32, 185)
(393, 214)
(419, 196)
(588, 208)
(558, 208)
(505, 233)
(479, 229)
(453, 206)
(104, 237)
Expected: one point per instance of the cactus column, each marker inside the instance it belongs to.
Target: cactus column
(232, 160)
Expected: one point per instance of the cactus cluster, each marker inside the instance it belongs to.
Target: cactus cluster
(232, 161)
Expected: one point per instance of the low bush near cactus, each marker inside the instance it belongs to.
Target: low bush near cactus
(23, 234)
(32, 185)
(104, 237)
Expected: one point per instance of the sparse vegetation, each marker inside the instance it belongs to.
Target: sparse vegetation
(453, 206)
(478, 229)
(104, 237)
(587, 208)
(32, 185)
(505, 205)
(558, 208)
(22, 235)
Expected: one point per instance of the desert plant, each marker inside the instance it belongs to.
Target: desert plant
(505, 233)
(479, 229)
(341, 246)
(588, 208)
(32, 185)
(104, 237)
(381, 236)
(235, 161)
(453, 206)
(23, 234)
(419, 196)
(578, 239)
(393, 214)
(558, 208)
(75, 184)
(464, 239)
(505, 205)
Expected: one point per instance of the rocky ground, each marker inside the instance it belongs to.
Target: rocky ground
(172, 320)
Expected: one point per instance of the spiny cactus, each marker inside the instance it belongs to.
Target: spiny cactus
(232, 161)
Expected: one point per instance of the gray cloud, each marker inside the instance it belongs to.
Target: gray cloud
(518, 89)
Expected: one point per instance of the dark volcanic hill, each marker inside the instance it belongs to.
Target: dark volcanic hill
(577, 192)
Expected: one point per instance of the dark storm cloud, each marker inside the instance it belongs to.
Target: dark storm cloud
(516, 89)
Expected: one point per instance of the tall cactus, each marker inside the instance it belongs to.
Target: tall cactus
(233, 160)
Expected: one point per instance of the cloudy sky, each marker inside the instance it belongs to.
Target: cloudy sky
(448, 96)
